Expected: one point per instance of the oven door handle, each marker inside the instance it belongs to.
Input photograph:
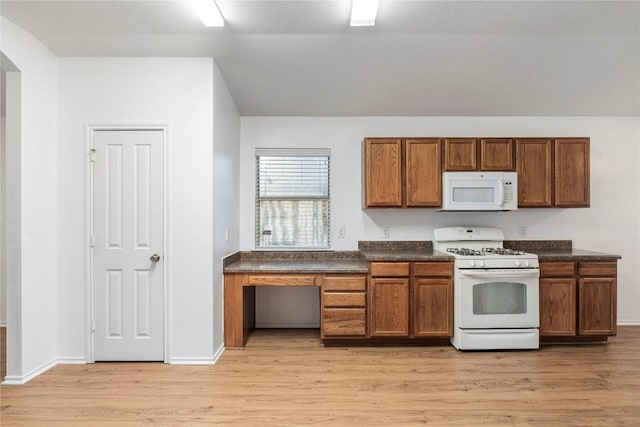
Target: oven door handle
(489, 273)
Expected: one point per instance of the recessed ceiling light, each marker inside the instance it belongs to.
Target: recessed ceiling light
(209, 13)
(363, 12)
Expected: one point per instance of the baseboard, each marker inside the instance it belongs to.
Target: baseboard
(72, 361)
(19, 380)
(192, 361)
(218, 353)
(288, 325)
(3, 323)
(628, 322)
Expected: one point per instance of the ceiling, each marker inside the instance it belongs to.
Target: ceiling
(423, 58)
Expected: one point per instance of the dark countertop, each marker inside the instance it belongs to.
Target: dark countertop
(355, 266)
(305, 262)
(405, 255)
(356, 262)
(558, 250)
(574, 255)
(386, 250)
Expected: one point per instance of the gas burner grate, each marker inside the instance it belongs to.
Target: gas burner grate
(465, 252)
(502, 251)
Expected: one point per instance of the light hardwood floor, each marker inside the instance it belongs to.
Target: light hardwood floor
(286, 378)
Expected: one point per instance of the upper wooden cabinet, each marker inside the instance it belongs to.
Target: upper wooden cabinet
(407, 172)
(402, 172)
(497, 154)
(553, 172)
(534, 172)
(572, 172)
(383, 172)
(423, 176)
(486, 154)
(460, 154)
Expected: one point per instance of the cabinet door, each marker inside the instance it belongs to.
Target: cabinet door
(423, 178)
(460, 154)
(497, 154)
(433, 307)
(558, 307)
(597, 308)
(534, 172)
(383, 172)
(389, 307)
(572, 172)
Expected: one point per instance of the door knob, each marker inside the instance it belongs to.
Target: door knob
(155, 258)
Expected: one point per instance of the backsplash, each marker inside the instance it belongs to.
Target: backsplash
(380, 245)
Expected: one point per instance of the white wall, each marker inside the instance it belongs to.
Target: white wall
(31, 206)
(173, 91)
(226, 192)
(612, 224)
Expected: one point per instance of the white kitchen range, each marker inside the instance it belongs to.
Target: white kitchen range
(495, 290)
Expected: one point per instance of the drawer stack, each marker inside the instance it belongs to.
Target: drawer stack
(343, 307)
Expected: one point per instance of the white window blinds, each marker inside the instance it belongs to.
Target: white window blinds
(292, 198)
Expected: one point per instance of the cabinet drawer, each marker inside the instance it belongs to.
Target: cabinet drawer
(556, 269)
(344, 283)
(597, 268)
(343, 322)
(389, 269)
(443, 269)
(284, 280)
(344, 299)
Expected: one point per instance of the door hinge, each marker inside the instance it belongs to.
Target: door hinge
(92, 241)
(92, 155)
(92, 326)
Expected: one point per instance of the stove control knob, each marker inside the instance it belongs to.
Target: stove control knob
(517, 263)
(526, 263)
(480, 263)
(472, 264)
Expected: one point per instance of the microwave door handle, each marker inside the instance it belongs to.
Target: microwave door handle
(489, 273)
(501, 192)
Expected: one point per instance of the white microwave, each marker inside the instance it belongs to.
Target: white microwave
(479, 191)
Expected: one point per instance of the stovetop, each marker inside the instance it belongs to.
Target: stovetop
(481, 247)
(486, 252)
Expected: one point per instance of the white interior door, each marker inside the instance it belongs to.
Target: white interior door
(128, 292)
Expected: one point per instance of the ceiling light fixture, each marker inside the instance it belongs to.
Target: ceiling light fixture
(363, 12)
(209, 13)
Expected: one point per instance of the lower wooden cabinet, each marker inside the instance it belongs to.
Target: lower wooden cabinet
(578, 299)
(389, 307)
(338, 322)
(343, 307)
(399, 300)
(417, 305)
(433, 307)
(597, 306)
(558, 307)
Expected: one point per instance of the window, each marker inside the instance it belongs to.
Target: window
(292, 198)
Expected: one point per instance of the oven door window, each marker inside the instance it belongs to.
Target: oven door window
(499, 298)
